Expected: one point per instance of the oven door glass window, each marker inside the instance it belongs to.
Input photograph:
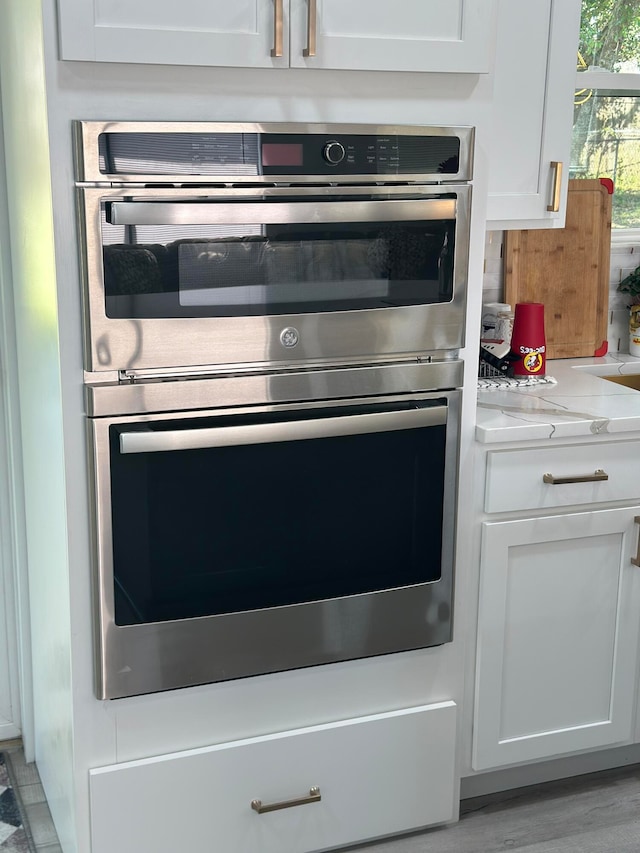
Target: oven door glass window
(166, 260)
(252, 524)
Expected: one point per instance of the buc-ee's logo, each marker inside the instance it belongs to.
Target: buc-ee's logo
(532, 358)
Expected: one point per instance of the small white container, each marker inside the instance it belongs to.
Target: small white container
(504, 325)
(490, 314)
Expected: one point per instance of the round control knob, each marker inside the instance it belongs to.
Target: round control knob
(333, 152)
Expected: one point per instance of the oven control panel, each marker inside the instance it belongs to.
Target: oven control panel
(356, 154)
(151, 151)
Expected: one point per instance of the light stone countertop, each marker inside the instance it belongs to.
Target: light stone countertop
(582, 403)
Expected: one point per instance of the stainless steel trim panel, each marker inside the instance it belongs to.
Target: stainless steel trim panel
(168, 655)
(272, 388)
(146, 658)
(215, 192)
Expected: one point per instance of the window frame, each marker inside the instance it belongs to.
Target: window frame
(613, 83)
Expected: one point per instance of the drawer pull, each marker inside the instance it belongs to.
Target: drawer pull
(636, 560)
(596, 477)
(261, 808)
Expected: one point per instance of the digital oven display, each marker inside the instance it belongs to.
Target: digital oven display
(282, 154)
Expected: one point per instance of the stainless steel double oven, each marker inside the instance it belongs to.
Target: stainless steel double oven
(273, 315)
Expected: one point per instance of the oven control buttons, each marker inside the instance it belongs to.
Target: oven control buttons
(289, 337)
(333, 152)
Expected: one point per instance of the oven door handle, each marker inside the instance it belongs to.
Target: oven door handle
(260, 213)
(149, 441)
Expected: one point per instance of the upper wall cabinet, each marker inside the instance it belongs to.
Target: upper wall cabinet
(406, 35)
(532, 112)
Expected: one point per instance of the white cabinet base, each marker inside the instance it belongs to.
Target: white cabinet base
(378, 775)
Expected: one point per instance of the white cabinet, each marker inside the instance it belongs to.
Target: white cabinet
(407, 35)
(557, 636)
(532, 113)
(334, 784)
(558, 628)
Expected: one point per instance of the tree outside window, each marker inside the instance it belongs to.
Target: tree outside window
(606, 131)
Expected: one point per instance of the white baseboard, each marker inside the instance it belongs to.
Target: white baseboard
(539, 772)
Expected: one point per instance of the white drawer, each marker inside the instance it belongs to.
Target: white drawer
(515, 478)
(377, 775)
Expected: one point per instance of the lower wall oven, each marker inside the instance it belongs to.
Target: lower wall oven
(250, 524)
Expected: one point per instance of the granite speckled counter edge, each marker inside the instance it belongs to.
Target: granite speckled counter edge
(582, 403)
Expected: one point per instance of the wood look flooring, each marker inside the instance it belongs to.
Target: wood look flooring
(595, 813)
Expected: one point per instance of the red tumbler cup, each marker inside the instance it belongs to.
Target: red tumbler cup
(527, 340)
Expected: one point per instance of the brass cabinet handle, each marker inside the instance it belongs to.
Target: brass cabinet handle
(554, 207)
(636, 560)
(596, 477)
(312, 26)
(314, 797)
(277, 27)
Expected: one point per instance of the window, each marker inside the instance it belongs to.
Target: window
(606, 129)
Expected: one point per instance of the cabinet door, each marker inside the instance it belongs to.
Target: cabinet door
(192, 32)
(406, 35)
(557, 636)
(534, 83)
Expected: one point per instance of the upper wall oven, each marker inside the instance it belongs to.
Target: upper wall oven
(250, 245)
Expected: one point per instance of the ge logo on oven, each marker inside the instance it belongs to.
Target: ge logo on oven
(289, 337)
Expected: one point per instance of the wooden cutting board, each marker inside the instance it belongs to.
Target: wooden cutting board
(567, 269)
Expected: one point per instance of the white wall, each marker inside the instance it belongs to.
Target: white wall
(38, 367)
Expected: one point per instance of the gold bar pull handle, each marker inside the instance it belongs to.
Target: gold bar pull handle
(278, 13)
(636, 560)
(554, 207)
(312, 29)
(597, 476)
(261, 808)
